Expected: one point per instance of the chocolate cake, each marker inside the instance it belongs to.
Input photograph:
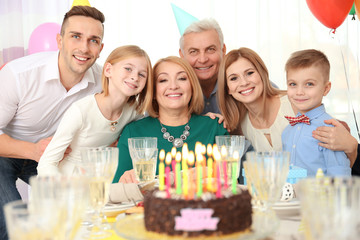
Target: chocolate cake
(207, 215)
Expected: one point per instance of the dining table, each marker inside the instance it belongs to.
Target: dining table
(289, 228)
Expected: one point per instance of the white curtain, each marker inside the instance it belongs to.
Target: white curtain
(273, 28)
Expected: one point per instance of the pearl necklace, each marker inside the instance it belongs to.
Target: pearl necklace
(177, 142)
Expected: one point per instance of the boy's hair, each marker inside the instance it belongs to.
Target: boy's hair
(85, 11)
(202, 26)
(196, 104)
(119, 54)
(308, 58)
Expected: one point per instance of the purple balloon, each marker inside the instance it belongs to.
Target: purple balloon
(43, 38)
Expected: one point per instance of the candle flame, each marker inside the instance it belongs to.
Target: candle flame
(173, 152)
(216, 154)
(178, 157)
(223, 151)
(191, 159)
(168, 159)
(198, 148)
(236, 155)
(203, 151)
(209, 150)
(162, 155)
(199, 158)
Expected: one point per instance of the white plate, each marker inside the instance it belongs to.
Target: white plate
(291, 203)
(112, 210)
(287, 209)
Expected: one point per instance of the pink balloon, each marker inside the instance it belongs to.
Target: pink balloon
(43, 38)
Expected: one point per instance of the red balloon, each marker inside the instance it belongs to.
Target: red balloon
(331, 13)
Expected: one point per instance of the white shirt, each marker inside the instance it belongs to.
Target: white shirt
(82, 126)
(257, 136)
(32, 98)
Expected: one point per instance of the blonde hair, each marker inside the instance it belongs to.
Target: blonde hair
(120, 54)
(196, 103)
(307, 58)
(233, 110)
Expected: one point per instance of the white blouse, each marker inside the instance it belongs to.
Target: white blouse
(82, 126)
(257, 137)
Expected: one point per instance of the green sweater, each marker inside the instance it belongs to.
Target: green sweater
(202, 129)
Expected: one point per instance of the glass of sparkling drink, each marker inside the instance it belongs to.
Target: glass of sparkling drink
(144, 152)
(99, 166)
(232, 149)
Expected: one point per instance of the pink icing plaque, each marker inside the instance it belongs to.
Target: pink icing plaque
(196, 219)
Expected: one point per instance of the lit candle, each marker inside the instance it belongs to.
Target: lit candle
(209, 174)
(199, 160)
(224, 162)
(173, 163)
(216, 173)
(185, 155)
(167, 173)
(217, 157)
(178, 175)
(191, 161)
(161, 170)
(234, 171)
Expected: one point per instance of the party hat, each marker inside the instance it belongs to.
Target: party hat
(183, 19)
(81, 3)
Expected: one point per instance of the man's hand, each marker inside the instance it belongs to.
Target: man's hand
(40, 147)
(217, 115)
(128, 177)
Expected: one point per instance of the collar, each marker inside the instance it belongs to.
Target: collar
(51, 71)
(314, 113)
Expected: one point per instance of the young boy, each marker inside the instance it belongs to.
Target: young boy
(307, 74)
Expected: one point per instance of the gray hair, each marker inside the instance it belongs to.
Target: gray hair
(202, 26)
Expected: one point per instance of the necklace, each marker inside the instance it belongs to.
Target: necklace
(112, 126)
(177, 142)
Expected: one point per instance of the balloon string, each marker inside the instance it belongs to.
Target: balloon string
(348, 87)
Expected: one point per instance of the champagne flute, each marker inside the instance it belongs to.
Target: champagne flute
(99, 166)
(231, 144)
(266, 174)
(64, 193)
(143, 152)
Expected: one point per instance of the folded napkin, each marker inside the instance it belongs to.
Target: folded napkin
(125, 192)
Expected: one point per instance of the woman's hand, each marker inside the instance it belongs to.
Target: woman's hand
(128, 177)
(337, 138)
(217, 115)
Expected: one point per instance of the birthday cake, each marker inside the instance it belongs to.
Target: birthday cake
(205, 215)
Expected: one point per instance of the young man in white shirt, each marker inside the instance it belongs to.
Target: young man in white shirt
(37, 89)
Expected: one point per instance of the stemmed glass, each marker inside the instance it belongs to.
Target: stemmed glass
(330, 207)
(99, 166)
(67, 193)
(22, 222)
(232, 144)
(143, 152)
(266, 174)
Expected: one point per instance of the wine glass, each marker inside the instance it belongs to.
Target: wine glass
(67, 193)
(330, 207)
(143, 152)
(99, 166)
(266, 174)
(231, 144)
(25, 222)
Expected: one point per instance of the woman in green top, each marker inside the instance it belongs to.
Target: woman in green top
(174, 104)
